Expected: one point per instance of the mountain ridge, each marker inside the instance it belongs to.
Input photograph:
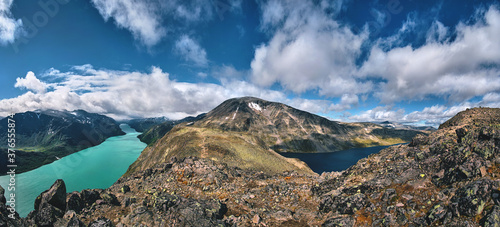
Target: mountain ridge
(44, 136)
(242, 126)
(448, 178)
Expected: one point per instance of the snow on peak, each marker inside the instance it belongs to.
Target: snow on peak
(254, 106)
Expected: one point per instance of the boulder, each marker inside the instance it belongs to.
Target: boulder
(90, 196)
(55, 196)
(472, 198)
(75, 202)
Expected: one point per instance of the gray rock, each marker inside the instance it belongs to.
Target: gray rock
(55, 196)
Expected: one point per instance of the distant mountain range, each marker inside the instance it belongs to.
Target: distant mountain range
(447, 178)
(247, 132)
(404, 126)
(154, 128)
(44, 136)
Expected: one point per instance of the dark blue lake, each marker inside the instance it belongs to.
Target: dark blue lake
(334, 161)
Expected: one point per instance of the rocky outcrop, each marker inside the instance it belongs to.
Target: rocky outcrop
(450, 177)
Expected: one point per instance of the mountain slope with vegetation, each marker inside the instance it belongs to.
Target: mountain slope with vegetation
(44, 136)
(448, 178)
(247, 132)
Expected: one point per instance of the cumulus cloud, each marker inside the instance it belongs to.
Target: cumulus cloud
(228, 72)
(9, 27)
(125, 94)
(142, 18)
(32, 83)
(191, 51)
(150, 21)
(431, 116)
(459, 70)
(308, 50)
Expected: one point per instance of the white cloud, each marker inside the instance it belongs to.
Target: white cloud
(140, 17)
(9, 27)
(458, 69)
(32, 83)
(227, 72)
(123, 94)
(308, 50)
(347, 101)
(191, 51)
(431, 116)
(150, 21)
(188, 11)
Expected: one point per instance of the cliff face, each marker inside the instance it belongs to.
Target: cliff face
(44, 135)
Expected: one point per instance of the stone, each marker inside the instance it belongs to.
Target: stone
(125, 189)
(493, 218)
(90, 196)
(339, 221)
(75, 202)
(256, 219)
(101, 222)
(55, 196)
(472, 198)
(436, 214)
(2, 197)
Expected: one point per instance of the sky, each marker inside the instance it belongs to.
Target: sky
(412, 62)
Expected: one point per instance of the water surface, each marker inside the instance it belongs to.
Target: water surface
(334, 161)
(94, 167)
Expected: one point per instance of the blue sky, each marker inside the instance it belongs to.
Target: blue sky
(415, 62)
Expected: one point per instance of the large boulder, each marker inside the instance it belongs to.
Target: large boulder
(55, 196)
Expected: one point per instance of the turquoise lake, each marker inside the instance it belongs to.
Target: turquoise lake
(95, 167)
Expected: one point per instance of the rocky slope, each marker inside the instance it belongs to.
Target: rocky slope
(247, 132)
(42, 136)
(449, 178)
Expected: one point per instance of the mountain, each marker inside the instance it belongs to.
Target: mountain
(154, 131)
(389, 124)
(44, 136)
(247, 132)
(143, 124)
(286, 129)
(448, 178)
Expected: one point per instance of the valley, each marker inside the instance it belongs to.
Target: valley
(447, 178)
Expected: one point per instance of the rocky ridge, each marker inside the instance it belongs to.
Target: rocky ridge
(449, 178)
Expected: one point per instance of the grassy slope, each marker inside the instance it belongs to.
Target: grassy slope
(234, 148)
